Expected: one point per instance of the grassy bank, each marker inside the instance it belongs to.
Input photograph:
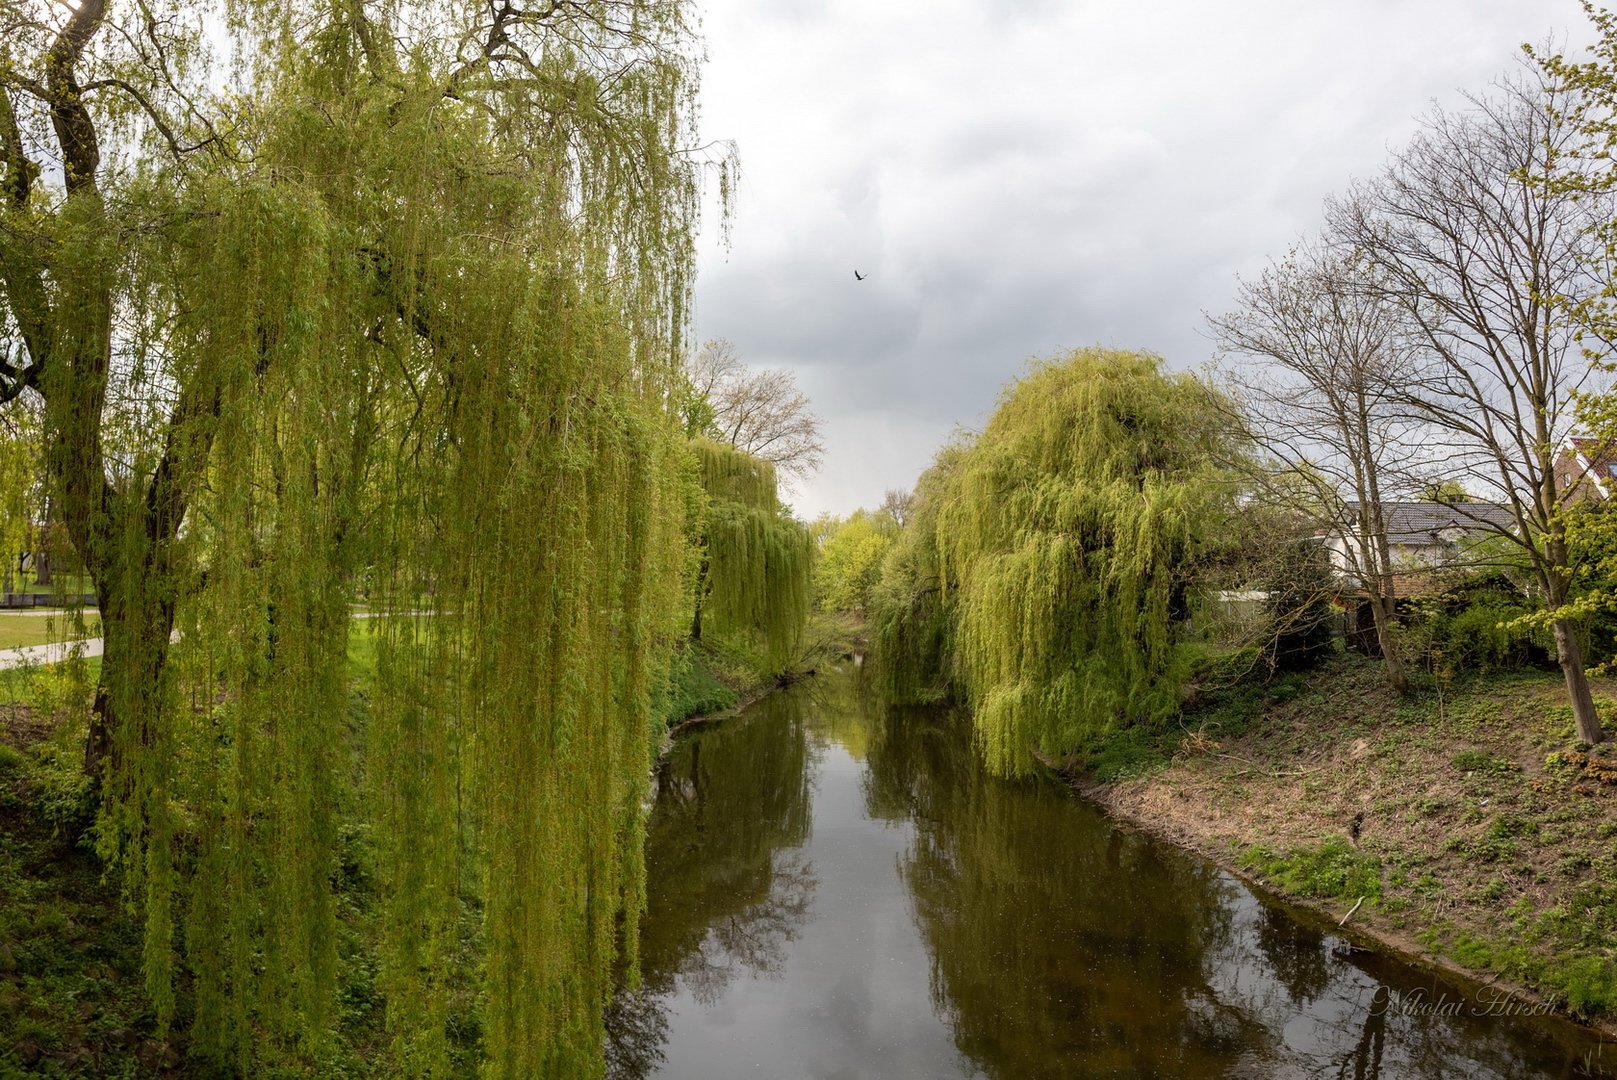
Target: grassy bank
(713, 678)
(1464, 821)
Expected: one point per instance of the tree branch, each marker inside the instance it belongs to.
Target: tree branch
(152, 114)
(75, 130)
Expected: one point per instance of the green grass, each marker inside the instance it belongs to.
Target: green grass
(362, 653)
(694, 689)
(40, 685)
(1586, 984)
(61, 584)
(1479, 762)
(17, 631)
(1334, 869)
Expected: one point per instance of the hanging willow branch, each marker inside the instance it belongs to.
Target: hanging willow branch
(1060, 547)
(370, 340)
(757, 559)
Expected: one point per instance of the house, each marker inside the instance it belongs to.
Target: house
(1422, 537)
(1586, 469)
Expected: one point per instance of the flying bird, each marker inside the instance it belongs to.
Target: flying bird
(857, 276)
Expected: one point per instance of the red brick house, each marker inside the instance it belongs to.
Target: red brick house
(1586, 469)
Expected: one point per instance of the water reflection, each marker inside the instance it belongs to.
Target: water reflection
(838, 892)
(729, 881)
(1058, 946)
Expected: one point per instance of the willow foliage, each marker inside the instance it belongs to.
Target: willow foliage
(1064, 542)
(758, 558)
(911, 613)
(19, 481)
(398, 321)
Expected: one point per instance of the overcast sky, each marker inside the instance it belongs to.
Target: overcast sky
(1020, 177)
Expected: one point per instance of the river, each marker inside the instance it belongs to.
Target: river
(835, 892)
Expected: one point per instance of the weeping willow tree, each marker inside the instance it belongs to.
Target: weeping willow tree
(1064, 545)
(397, 317)
(757, 560)
(911, 614)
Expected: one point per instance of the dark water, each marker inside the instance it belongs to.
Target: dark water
(834, 893)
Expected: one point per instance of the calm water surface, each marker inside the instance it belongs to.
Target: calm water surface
(838, 893)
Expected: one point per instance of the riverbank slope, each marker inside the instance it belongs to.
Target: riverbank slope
(712, 680)
(1461, 825)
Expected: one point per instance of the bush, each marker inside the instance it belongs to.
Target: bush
(1474, 626)
(1131, 751)
(1300, 587)
(693, 689)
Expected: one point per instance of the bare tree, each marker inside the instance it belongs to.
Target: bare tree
(1485, 255)
(1320, 402)
(896, 502)
(761, 412)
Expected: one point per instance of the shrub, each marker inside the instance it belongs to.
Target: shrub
(1474, 626)
(1131, 751)
(693, 689)
(1302, 622)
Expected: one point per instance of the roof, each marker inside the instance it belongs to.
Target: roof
(1423, 523)
(1594, 459)
(1591, 448)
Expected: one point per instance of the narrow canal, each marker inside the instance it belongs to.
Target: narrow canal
(835, 893)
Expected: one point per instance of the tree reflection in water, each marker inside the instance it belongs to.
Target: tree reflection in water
(1064, 946)
(1056, 950)
(728, 887)
(1353, 1014)
(1054, 943)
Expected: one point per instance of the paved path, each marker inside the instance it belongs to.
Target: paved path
(50, 653)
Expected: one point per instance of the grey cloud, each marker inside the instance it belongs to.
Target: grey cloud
(1022, 178)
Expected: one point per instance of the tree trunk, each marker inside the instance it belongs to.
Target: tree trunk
(1376, 554)
(135, 632)
(42, 557)
(1570, 654)
(701, 587)
(1383, 611)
